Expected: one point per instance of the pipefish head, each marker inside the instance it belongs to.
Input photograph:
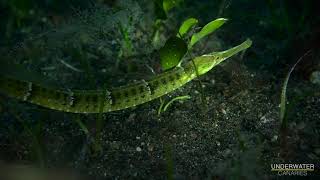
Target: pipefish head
(206, 62)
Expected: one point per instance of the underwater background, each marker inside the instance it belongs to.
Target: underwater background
(260, 107)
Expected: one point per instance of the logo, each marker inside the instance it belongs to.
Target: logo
(292, 169)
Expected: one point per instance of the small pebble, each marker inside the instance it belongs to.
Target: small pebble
(274, 138)
(150, 148)
(264, 119)
(44, 19)
(174, 136)
(138, 149)
(224, 111)
(315, 77)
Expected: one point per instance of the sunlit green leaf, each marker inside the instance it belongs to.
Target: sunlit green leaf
(283, 99)
(159, 11)
(175, 99)
(172, 52)
(169, 4)
(186, 25)
(162, 7)
(206, 30)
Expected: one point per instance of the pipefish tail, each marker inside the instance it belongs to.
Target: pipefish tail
(113, 99)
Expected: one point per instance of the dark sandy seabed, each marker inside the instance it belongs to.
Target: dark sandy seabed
(233, 133)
